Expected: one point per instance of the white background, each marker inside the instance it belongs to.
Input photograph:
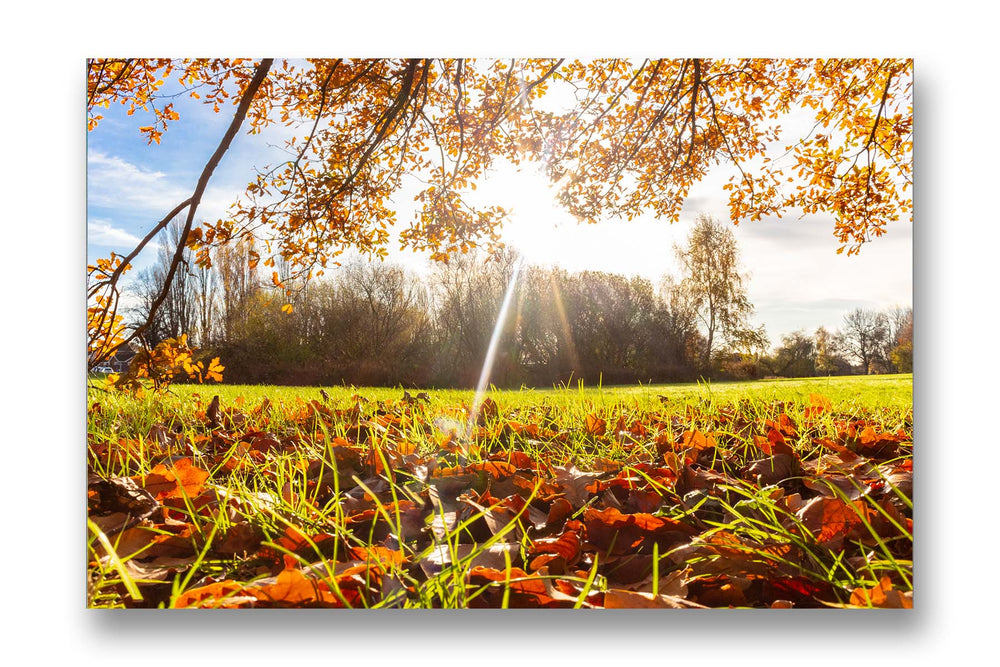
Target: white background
(43, 161)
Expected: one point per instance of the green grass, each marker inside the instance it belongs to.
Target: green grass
(279, 488)
(887, 397)
(870, 390)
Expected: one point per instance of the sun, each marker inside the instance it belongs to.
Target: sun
(546, 235)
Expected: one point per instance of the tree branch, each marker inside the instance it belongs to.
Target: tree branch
(248, 95)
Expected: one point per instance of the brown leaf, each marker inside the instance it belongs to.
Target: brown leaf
(573, 483)
(453, 481)
(850, 487)
(797, 591)
(118, 503)
(845, 454)
(719, 591)
(879, 445)
(772, 470)
(693, 478)
(212, 413)
(899, 476)
(494, 557)
(498, 514)
(891, 524)
(488, 412)
(239, 539)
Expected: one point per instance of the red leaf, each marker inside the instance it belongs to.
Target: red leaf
(832, 520)
(566, 547)
(615, 533)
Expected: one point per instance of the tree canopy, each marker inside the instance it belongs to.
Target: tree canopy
(634, 139)
(715, 288)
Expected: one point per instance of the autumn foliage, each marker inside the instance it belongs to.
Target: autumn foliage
(635, 139)
(156, 368)
(746, 509)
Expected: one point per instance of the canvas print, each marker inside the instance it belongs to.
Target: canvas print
(499, 333)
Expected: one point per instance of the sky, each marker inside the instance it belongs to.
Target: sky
(797, 281)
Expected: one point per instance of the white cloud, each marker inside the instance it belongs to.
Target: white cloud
(114, 182)
(101, 232)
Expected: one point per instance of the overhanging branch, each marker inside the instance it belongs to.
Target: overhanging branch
(248, 95)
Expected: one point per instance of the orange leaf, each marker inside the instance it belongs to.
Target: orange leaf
(593, 425)
(832, 520)
(697, 440)
(220, 595)
(181, 479)
(617, 533)
(882, 595)
(818, 404)
(293, 588)
(773, 444)
(619, 599)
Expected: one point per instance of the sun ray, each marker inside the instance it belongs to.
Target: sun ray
(491, 351)
(574, 358)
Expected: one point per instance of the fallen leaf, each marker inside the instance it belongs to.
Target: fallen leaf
(772, 470)
(883, 595)
(619, 599)
(593, 425)
(181, 479)
(219, 595)
(832, 520)
(292, 588)
(615, 533)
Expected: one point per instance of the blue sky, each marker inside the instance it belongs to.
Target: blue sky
(797, 280)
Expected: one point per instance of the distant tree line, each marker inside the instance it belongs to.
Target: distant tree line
(375, 323)
(870, 341)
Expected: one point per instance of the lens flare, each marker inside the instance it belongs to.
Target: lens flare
(491, 351)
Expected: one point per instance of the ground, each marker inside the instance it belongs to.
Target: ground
(790, 493)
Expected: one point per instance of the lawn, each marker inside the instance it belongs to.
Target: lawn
(785, 493)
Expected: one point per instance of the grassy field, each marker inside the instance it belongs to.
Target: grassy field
(871, 391)
(786, 493)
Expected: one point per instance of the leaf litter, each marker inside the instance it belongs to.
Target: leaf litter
(311, 505)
